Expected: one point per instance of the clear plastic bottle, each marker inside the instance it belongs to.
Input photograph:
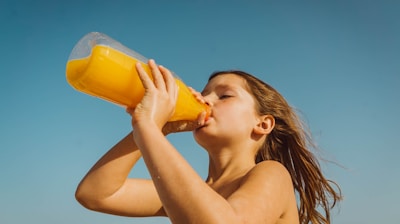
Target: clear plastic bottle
(104, 68)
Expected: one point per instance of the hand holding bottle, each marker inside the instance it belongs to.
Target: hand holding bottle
(159, 101)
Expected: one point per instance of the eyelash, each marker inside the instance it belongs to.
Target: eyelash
(224, 97)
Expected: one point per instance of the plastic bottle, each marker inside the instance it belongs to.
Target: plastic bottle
(104, 68)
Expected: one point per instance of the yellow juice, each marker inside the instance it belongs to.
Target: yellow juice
(111, 75)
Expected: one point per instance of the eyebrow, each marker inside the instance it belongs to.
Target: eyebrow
(217, 88)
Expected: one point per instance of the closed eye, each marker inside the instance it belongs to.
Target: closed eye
(224, 97)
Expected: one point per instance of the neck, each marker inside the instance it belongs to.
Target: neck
(228, 165)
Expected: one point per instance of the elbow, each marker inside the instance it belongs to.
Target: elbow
(82, 197)
(86, 198)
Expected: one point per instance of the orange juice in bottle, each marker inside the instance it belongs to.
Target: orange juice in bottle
(102, 67)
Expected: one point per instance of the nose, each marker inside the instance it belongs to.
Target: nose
(208, 101)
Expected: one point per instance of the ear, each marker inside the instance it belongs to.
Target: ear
(265, 125)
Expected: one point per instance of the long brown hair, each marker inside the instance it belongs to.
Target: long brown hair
(290, 143)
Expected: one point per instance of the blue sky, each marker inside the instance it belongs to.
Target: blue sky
(336, 61)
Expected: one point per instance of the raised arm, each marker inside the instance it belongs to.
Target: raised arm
(107, 188)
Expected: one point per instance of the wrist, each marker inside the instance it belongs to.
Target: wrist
(145, 125)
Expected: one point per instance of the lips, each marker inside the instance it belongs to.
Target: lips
(206, 123)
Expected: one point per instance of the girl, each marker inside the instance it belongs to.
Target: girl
(258, 151)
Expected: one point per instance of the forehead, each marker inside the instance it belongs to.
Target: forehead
(226, 81)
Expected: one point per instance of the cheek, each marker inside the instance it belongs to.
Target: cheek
(240, 111)
(237, 117)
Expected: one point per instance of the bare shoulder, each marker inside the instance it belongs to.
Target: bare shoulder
(269, 177)
(266, 195)
(270, 169)
(271, 164)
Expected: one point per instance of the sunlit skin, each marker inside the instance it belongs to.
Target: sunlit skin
(236, 191)
(233, 115)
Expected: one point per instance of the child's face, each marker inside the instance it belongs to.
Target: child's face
(233, 113)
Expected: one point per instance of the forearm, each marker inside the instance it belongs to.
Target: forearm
(185, 196)
(110, 172)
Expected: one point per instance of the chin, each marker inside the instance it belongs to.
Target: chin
(202, 136)
(207, 139)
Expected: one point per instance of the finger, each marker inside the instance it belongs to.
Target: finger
(170, 83)
(157, 76)
(197, 95)
(130, 110)
(144, 77)
(193, 91)
(201, 119)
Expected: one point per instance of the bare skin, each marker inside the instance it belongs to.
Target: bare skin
(236, 191)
